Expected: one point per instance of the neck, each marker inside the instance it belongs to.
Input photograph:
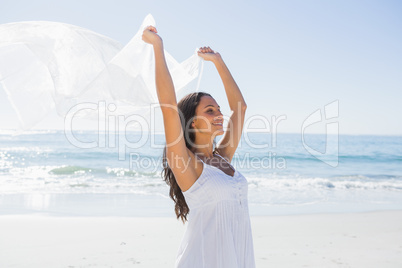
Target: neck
(203, 146)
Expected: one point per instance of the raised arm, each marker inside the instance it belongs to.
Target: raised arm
(228, 144)
(177, 153)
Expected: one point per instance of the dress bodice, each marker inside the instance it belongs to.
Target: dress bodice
(218, 232)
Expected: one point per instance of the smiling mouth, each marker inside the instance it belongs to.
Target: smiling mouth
(217, 124)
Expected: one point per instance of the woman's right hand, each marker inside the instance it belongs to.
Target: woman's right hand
(150, 35)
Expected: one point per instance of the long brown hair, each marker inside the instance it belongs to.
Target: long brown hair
(187, 106)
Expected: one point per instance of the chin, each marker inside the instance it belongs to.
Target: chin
(219, 132)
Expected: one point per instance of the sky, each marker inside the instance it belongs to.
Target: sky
(289, 58)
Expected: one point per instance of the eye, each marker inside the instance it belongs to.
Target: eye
(211, 110)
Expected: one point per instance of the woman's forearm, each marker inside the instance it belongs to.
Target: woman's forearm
(163, 79)
(233, 93)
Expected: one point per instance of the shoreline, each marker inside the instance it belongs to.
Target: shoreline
(152, 205)
(367, 239)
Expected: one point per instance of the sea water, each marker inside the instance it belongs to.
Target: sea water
(105, 174)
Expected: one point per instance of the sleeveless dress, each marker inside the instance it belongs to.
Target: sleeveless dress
(218, 232)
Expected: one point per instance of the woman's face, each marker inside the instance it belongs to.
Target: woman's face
(208, 117)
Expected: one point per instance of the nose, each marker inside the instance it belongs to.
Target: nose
(220, 116)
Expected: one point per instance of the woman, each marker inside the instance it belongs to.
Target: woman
(202, 182)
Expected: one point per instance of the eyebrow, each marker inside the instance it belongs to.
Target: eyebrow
(212, 106)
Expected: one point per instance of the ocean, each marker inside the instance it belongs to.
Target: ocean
(94, 173)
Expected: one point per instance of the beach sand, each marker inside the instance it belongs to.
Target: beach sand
(321, 240)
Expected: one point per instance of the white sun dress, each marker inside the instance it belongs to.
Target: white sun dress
(218, 232)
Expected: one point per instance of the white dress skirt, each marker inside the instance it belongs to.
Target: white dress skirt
(218, 232)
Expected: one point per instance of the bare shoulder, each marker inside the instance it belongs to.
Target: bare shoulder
(196, 163)
(189, 172)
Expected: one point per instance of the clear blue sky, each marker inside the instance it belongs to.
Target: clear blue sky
(288, 57)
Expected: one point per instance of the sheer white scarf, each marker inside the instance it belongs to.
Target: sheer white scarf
(50, 65)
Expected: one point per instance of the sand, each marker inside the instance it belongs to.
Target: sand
(366, 240)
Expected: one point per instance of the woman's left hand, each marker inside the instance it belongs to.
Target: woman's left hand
(150, 35)
(208, 54)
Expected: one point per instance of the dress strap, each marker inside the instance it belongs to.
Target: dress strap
(199, 158)
(217, 153)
